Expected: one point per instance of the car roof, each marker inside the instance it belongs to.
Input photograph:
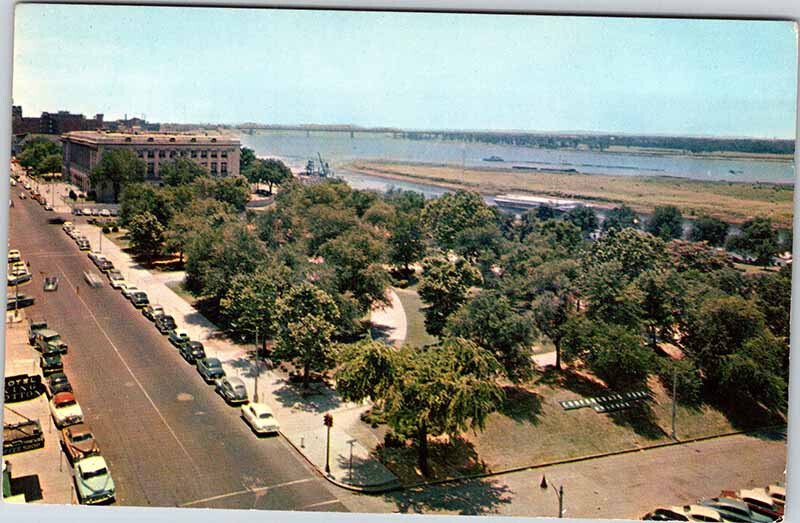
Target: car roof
(260, 408)
(212, 360)
(62, 397)
(730, 502)
(702, 511)
(58, 376)
(233, 380)
(79, 428)
(47, 333)
(757, 495)
(777, 490)
(92, 463)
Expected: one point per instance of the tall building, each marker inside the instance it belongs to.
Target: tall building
(82, 151)
(52, 123)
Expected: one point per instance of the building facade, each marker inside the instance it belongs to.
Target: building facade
(52, 123)
(82, 150)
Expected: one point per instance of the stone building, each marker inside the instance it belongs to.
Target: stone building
(52, 123)
(82, 150)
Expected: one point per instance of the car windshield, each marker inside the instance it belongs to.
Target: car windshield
(65, 403)
(265, 415)
(95, 473)
(213, 364)
(240, 389)
(82, 437)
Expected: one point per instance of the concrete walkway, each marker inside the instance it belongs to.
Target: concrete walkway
(389, 321)
(300, 415)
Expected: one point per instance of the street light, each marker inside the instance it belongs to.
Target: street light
(560, 493)
(258, 368)
(328, 422)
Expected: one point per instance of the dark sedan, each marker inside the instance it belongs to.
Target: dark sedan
(18, 302)
(51, 363)
(192, 351)
(57, 382)
(210, 369)
(165, 324)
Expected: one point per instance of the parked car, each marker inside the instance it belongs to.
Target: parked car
(84, 245)
(105, 265)
(34, 326)
(18, 277)
(139, 299)
(232, 390)
(685, 513)
(192, 351)
(778, 494)
(260, 418)
(94, 255)
(48, 206)
(86, 212)
(57, 382)
(177, 337)
(758, 500)
(105, 213)
(151, 312)
(165, 324)
(128, 289)
(210, 369)
(115, 277)
(50, 363)
(78, 442)
(93, 481)
(18, 301)
(22, 196)
(95, 212)
(734, 510)
(48, 341)
(65, 410)
(14, 256)
(51, 283)
(57, 220)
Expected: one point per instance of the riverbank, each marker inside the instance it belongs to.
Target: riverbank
(733, 202)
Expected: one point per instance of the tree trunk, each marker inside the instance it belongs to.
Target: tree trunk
(270, 188)
(305, 376)
(422, 447)
(557, 343)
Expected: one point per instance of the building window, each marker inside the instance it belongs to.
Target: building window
(140, 154)
(214, 140)
(224, 154)
(193, 140)
(172, 154)
(214, 167)
(172, 139)
(224, 167)
(162, 154)
(128, 139)
(150, 139)
(213, 154)
(203, 154)
(151, 154)
(183, 153)
(151, 169)
(194, 154)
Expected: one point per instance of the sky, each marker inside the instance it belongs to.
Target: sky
(409, 70)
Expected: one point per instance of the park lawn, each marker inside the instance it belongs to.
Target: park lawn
(416, 335)
(733, 202)
(120, 239)
(178, 288)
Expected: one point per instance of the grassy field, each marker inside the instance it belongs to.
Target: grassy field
(416, 335)
(728, 201)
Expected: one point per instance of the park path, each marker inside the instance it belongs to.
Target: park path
(389, 321)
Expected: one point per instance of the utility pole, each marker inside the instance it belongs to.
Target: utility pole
(100, 233)
(328, 422)
(674, 401)
(258, 368)
(560, 493)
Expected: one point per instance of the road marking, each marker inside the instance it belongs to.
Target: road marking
(256, 490)
(320, 504)
(130, 371)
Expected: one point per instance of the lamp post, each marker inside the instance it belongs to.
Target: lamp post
(258, 368)
(560, 493)
(674, 402)
(328, 422)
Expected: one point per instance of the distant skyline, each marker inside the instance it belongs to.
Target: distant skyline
(409, 70)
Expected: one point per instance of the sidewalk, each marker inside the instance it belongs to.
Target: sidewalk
(300, 416)
(389, 321)
(47, 463)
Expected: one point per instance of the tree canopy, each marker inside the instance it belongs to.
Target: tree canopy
(118, 168)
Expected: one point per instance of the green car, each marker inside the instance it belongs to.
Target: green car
(93, 481)
(51, 363)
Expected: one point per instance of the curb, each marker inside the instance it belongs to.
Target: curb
(379, 488)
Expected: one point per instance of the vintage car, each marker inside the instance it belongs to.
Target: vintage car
(260, 418)
(210, 369)
(93, 481)
(78, 442)
(232, 390)
(65, 410)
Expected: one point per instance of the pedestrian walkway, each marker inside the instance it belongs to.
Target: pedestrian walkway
(300, 415)
(389, 321)
(47, 465)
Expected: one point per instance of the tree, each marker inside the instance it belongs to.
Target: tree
(50, 164)
(406, 202)
(406, 244)
(269, 171)
(181, 172)
(620, 218)
(584, 218)
(757, 371)
(489, 320)
(380, 215)
(233, 190)
(758, 239)
(425, 392)
(250, 303)
(443, 287)
(636, 251)
(697, 256)
(773, 294)
(146, 234)
(304, 324)
(247, 157)
(662, 302)
(545, 212)
(551, 312)
(711, 230)
(356, 258)
(117, 168)
(451, 213)
(612, 296)
(666, 223)
(35, 152)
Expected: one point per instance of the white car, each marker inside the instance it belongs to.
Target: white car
(117, 279)
(27, 186)
(259, 417)
(68, 226)
(14, 256)
(127, 290)
(105, 213)
(65, 410)
(86, 212)
(93, 481)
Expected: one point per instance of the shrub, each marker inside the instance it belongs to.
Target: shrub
(690, 385)
(91, 195)
(393, 440)
(106, 230)
(114, 229)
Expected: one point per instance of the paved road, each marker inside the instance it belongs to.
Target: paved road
(168, 438)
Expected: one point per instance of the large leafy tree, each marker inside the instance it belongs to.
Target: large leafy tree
(666, 223)
(612, 296)
(445, 389)
(250, 303)
(451, 213)
(50, 164)
(304, 323)
(584, 218)
(270, 171)
(182, 171)
(758, 239)
(709, 229)
(490, 321)
(247, 157)
(698, 256)
(662, 302)
(773, 294)
(444, 287)
(406, 242)
(233, 190)
(117, 168)
(146, 234)
(620, 218)
(36, 153)
(759, 370)
(634, 250)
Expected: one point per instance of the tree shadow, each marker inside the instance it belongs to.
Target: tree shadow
(379, 332)
(468, 498)
(521, 404)
(318, 398)
(447, 458)
(747, 415)
(572, 381)
(641, 419)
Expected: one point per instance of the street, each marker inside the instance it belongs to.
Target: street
(168, 438)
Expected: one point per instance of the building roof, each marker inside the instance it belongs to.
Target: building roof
(147, 138)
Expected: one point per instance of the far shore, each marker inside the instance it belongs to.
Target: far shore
(732, 202)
